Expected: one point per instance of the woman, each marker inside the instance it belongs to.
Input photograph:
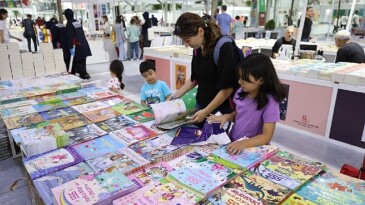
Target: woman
(118, 30)
(106, 26)
(4, 32)
(216, 82)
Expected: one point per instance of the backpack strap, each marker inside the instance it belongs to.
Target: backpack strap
(217, 48)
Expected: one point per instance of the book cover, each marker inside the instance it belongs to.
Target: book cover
(102, 95)
(194, 157)
(151, 174)
(115, 123)
(130, 135)
(163, 192)
(48, 99)
(84, 133)
(17, 111)
(152, 144)
(101, 115)
(295, 199)
(77, 101)
(25, 120)
(91, 90)
(207, 149)
(97, 147)
(84, 190)
(52, 114)
(71, 121)
(186, 135)
(116, 183)
(127, 108)
(333, 188)
(18, 104)
(49, 162)
(170, 114)
(152, 125)
(88, 107)
(114, 100)
(45, 184)
(73, 95)
(229, 195)
(50, 106)
(143, 116)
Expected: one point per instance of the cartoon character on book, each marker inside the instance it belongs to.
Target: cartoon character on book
(138, 132)
(169, 193)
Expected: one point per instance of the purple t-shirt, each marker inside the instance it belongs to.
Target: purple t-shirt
(224, 20)
(250, 121)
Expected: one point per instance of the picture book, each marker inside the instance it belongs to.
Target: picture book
(11, 98)
(88, 107)
(71, 121)
(77, 101)
(91, 90)
(67, 88)
(17, 111)
(151, 144)
(52, 114)
(247, 159)
(84, 133)
(203, 176)
(143, 116)
(162, 192)
(194, 157)
(115, 123)
(114, 100)
(130, 107)
(333, 188)
(170, 114)
(97, 147)
(151, 174)
(73, 95)
(25, 120)
(83, 190)
(295, 199)
(152, 125)
(45, 184)
(102, 95)
(49, 162)
(289, 170)
(123, 160)
(207, 149)
(18, 104)
(49, 106)
(48, 99)
(228, 194)
(133, 134)
(101, 115)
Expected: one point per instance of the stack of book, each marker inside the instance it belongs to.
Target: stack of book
(58, 60)
(5, 71)
(27, 62)
(15, 61)
(4, 147)
(38, 64)
(49, 65)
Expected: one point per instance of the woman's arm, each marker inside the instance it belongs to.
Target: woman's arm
(184, 89)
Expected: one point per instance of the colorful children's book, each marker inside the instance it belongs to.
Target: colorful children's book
(52, 114)
(25, 120)
(143, 116)
(116, 123)
(133, 134)
(73, 95)
(249, 158)
(71, 121)
(151, 174)
(170, 114)
(67, 88)
(101, 115)
(48, 99)
(289, 170)
(84, 133)
(11, 98)
(45, 184)
(77, 101)
(102, 95)
(49, 106)
(88, 90)
(128, 108)
(17, 111)
(152, 125)
(333, 188)
(114, 100)
(163, 192)
(207, 149)
(88, 107)
(295, 199)
(194, 157)
(228, 194)
(49, 162)
(149, 145)
(83, 190)
(18, 104)
(97, 147)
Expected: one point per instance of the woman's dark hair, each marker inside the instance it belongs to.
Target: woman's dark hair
(187, 26)
(117, 68)
(133, 21)
(237, 18)
(260, 66)
(2, 12)
(118, 19)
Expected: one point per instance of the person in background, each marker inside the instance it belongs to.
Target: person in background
(344, 19)
(51, 25)
(245, 21)
(118, 31)
(30, 32)
(145, 26)
(257, 104)
(237, 28)
(224, 21)
(78, 45)
(154, 20)
(355, 19)
(154, 90)
(39, 22)
(307, 28)
(116, 69)
(45, 34)
(60, 37)
(112, 34)
(286, 39)
(216, 12)
(348, 51)
(106, 26)
(133, 35)
(4, 32)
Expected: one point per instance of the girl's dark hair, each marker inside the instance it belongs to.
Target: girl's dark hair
(187, 26)
(260, 66)
(133, 21)
(117, 68)
(2, 11)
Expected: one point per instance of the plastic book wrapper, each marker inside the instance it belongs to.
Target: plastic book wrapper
(170, 114)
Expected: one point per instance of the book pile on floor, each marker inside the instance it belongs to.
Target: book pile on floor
(87, 145)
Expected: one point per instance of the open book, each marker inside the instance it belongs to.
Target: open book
(170, 114)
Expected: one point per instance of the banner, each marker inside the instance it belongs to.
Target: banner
(262, 5)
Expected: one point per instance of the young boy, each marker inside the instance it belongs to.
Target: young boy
(154, 90)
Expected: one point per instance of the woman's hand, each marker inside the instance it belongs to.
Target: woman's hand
(219, 119)
(236, 147)
(199, 116)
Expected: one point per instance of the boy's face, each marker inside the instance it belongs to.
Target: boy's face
(149, 76)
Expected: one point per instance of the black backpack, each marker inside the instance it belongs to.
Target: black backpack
(237, 51)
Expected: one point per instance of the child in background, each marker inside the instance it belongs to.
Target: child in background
(116, 71)
(133, 35)
(154, 90)
(257, 104)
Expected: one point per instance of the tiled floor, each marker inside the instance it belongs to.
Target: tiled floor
(333, 154)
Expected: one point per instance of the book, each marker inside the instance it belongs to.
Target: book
(152, 144)
(88, 107)
(130, 107)
(77, 101)
(295, 199)
(84, 133)
(73, 95)
(49, 106)
(163, 192)
(48, 99)
(143, 116)
(207, 149)
(52, 114)
(18, 104)
(289, 170)
(102, 95)
(152, 125)
(151, 174)
(97, 147)
(114, 100)
(87, 90)
(123, 160)
(115, 123)
(133, 134)
(71, 121)
(230, 195)
(25, 120)
(45, 184)
(101, 114)
(17, 111)
(49, 162)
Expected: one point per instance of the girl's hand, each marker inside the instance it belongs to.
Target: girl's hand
(199, 116)
(220, 119)
(236, 147)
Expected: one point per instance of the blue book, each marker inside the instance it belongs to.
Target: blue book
(52, 114)
(73, 95)
(51, 106)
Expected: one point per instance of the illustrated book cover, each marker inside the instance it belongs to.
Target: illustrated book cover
(71, 121)
(115, 123)
(52, 114)
(84, 133)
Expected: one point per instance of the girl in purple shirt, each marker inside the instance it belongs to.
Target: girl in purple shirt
(257, 104)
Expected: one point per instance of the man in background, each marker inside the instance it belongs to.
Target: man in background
(30, 32)
(286, 39)
(307, 24)
(154, 20)
(348, 51)
(224, 21)
(355, 19)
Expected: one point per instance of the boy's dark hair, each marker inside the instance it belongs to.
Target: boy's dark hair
(2, 11)
(117, 68)
(260, 66)
(224, 8)
(237, 18)
(146, 65)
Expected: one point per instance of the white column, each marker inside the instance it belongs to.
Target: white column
(349, 22)
(330, 18)
(300, 30)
